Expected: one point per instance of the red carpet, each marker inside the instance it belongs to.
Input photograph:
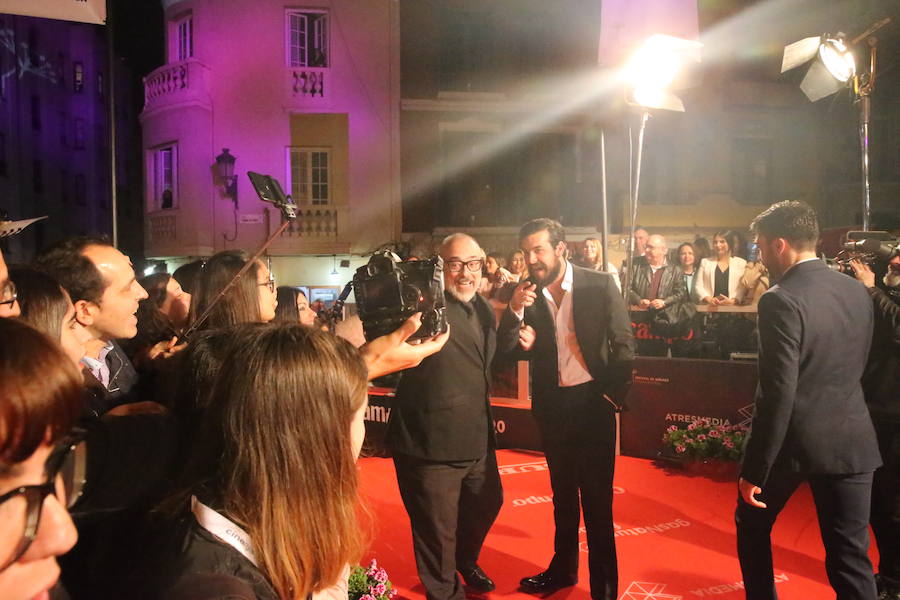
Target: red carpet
(676, 535)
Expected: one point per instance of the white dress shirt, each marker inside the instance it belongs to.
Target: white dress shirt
(571, 366)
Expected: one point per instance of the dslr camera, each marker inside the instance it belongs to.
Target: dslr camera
(868, 247)
(389, 291)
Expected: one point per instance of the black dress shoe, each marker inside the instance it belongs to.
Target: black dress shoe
(477, 579)
(546, 582)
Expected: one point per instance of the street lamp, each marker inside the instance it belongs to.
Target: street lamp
(225, 171)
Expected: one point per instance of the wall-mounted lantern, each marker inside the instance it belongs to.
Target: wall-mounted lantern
(225, 171)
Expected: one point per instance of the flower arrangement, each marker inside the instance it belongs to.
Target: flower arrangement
(370, 584)
(702, 440)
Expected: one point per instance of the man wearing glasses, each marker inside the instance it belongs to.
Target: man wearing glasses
(9, 306)
(442, 436)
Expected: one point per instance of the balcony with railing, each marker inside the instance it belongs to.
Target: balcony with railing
(317, 222)
(308, 83)
(183, 82)
(317, 229)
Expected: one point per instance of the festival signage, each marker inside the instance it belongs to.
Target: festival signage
(673, 391)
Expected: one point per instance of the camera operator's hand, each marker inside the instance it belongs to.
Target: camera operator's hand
(391, 353)
(863, 272)
(524, 295)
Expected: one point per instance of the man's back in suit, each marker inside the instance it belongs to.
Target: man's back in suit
(810, 422)
(821, 322)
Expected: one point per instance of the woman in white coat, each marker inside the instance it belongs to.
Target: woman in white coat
(719, 278)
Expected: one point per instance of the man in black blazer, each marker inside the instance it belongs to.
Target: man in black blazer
(574, 329)
(442, 436)
(810, 422)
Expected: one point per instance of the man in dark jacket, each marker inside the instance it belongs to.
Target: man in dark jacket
(810, 422)
(101, 282)
(655, 286)
(881, 384)
(442, 436)
(573, 327)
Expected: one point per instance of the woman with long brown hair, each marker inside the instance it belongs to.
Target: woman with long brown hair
(269, 496)
(47, 307)
(293, 307)
(40, 398)
(250, 300)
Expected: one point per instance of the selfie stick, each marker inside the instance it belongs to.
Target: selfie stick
(289, 214)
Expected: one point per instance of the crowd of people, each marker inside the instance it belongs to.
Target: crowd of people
(197, 433)
(722, 274)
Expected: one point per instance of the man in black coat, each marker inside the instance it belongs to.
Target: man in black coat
(810, 421)
(105, 292)
(575, 330)
(655, 286)
(442, 436)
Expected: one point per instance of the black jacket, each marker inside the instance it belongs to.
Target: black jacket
(672, 287)
(815, 327)
(442, 412)
(122, 384)
(881, 381)
(602, 329)
(192, 563)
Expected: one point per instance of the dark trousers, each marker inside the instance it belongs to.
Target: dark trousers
(842, 507)
(885, 517)
(578, 429)
(451, 507)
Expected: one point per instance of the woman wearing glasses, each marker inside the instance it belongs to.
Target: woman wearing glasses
(35, 526)
(250, 300)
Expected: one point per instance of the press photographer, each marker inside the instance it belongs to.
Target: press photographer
(881, 381)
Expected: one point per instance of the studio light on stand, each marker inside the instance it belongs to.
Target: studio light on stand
(649, 74)
(832, 67)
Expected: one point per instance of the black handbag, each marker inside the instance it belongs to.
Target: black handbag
(673, 321)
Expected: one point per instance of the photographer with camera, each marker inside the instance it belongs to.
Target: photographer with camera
(881, 382)
(442, 436)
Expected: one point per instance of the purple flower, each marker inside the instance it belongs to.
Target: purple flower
(680, 449)
(381, 576)
(367, 597)
(692, 426)
(728, 443)
(672, 428)
(714, 433)
(379, 589)
(701, 437)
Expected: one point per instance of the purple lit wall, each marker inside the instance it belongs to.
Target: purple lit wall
(53, 129)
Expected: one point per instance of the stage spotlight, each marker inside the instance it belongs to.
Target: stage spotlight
(832, 68)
